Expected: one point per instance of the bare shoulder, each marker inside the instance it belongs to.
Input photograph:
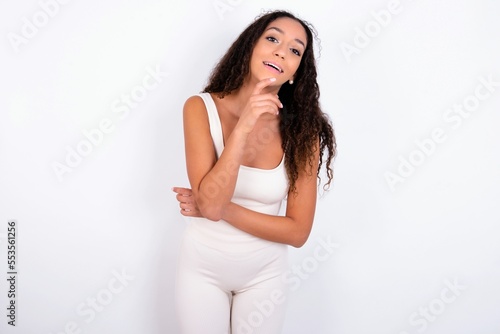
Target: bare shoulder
(194, 104)
(195, 112)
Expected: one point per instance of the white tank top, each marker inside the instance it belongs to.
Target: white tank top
(261, 190)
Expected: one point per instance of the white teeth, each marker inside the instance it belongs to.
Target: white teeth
(273, 66)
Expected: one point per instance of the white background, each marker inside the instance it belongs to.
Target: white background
(114, 212)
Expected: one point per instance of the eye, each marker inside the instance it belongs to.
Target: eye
(272, 39)
(295, 51)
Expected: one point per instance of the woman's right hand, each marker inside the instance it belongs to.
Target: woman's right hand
(258, 104)
(187, 203)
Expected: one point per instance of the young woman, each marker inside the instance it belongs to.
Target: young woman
(254, 137)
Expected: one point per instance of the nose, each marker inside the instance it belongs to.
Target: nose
(280, 52)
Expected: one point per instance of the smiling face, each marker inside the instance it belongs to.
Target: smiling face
(278, 52)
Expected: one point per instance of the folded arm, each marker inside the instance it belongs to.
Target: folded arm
(292, 229)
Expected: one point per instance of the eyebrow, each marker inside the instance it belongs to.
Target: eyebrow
(281, 31)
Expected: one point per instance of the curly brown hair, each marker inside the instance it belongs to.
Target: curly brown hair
(302, 121)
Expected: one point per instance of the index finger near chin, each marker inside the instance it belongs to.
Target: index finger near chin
(263, 84)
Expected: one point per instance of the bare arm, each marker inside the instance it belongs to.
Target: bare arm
(292, 229)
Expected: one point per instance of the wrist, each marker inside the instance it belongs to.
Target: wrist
(239, 133)
(226, 211)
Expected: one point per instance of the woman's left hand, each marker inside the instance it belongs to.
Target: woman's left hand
(187, 203)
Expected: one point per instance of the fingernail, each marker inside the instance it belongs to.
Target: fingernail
(272, 79)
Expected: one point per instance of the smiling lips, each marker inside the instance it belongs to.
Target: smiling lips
(274, 66)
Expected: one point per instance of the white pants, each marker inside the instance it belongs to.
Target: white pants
(221, 292)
